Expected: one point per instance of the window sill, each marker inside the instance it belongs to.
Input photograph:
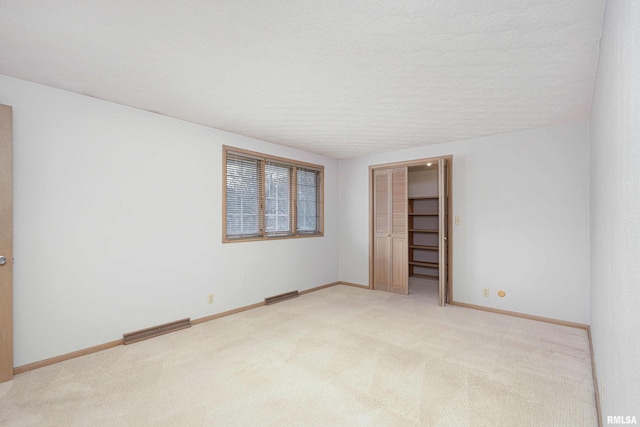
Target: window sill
(265, 238)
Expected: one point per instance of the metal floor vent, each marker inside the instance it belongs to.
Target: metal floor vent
(145, 334)
(281, 297)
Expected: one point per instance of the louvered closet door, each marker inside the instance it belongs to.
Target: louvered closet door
(443, 243)
(382, 231)
(6, 244)
(399, 246)
(390, 233)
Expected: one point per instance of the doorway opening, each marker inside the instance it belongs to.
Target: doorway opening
(410, 250)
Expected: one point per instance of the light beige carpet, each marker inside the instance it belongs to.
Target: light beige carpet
(340, 356)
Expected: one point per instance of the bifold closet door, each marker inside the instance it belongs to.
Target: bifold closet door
(390, 264)
(443, 218)
(6, 244)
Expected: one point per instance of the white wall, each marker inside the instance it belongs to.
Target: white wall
(118, 223)
(523, 201)
(422, 183)
(615, 211)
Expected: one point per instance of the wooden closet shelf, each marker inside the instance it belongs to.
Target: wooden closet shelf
(426, 248)
(424, 214)
(424, 198)
(425, 276)
(424, 264)
(415, 230)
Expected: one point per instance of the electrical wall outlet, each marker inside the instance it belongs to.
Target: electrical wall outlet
(502, 293)
(485, 292)
(210, 299)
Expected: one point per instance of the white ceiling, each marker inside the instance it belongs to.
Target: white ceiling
(339, 78)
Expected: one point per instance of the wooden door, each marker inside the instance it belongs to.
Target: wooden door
(443, 232)
(6, 244)
(381, 232)
(390, 263)
(399, 232)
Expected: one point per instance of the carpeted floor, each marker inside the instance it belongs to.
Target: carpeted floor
(340, 356)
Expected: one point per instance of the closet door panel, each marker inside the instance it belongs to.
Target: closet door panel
(399, 235)
(381, 195)
(443, 213)
(400, 264)
(399, 201)
(390, 252)
(382, 217)
(381, 264)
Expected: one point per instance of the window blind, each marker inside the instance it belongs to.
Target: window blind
(307, 200)
(244, 188)
(278, 199)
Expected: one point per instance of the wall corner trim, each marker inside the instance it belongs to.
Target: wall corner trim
(355, 285)
(596, 387)
(522, 315)
(57, 359)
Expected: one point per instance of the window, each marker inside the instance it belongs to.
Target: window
(307, 202)
(277, 196)
(268, 197)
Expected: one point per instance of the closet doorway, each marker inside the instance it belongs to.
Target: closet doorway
(411, 226)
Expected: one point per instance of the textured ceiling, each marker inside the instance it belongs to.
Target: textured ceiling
(340, 78)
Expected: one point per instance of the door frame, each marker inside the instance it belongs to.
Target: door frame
(6, 243)
(409, 163)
